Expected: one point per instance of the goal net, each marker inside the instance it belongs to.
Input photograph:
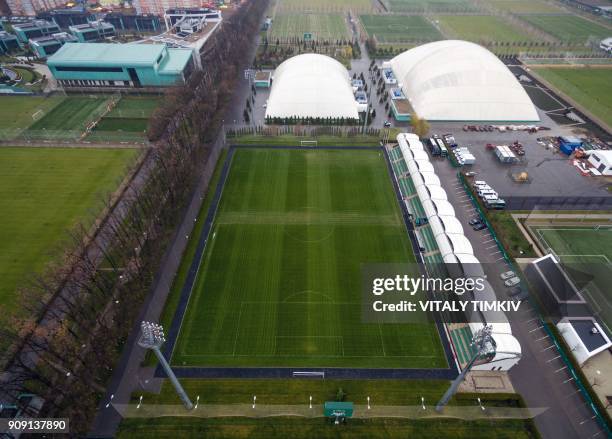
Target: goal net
(308, 143)
(37, 115)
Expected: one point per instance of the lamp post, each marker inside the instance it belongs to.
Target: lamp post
(152, 337)
(483, 342)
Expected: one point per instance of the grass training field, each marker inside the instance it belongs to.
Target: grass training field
(237, 393)
(128, 120)
(330, 27)
(394, 28)
(44, 192)
(589, 87)
(72, 114)
(481, 28)
(324, 6)
(16, 111)
(588, 251)
(280, 280)
(569, 27)
(431, 5)
(526, 7)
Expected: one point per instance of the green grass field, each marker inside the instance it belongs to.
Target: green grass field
(16, 111)
(127, 121)
(589, 87)
(481, 28)
(72, 114)
(280, 282)
(330, 27)
(296, 391)
(569, 27)
(583, 249)
(324, 6)
(431, 6)
(44, 192)
(526, 6)
(395, 28)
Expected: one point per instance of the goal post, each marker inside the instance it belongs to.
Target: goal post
(310, 143)
(38, 114)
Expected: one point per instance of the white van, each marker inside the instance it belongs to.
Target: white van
(490, 197)
(484, 190)
(482, 194)
(480, 183)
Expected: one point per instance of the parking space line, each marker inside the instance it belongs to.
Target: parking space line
(554, 358)
(541, 338)
(549, 347)
(539, 327)
(560, 369)
(568, 380)
(531, 320)
(492, 246)
(499, 259)
(489, 240)
(572, 394)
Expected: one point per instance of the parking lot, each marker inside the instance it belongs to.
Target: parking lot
(550, 172)
(540, 376)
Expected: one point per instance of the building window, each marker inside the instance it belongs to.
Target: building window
(88, 69)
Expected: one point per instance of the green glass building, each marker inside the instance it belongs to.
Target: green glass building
(100, 65)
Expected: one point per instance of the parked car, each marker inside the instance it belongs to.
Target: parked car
(507, 275)
(387, 124)
(479, 226)
(513, 281)
(521, 296)
(475, 221)
(515, 291)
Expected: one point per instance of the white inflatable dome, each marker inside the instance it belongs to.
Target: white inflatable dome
(461, 81)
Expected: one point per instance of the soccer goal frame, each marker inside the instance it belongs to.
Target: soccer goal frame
(311, 143)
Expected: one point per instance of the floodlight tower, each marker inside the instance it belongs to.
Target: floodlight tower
(484, 343)
(153, 338)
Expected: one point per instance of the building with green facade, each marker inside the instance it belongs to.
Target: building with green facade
(92, 31)
(47, 46)
(35, 29)
(8, 43)
(102, 65)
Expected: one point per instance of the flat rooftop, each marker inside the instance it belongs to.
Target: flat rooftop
(559, 285)
(584, 329)
(108, 54)
(402, 106)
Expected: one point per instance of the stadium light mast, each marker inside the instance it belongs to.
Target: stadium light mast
(483, 342)
(152, 337)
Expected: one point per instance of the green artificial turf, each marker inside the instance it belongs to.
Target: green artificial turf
(589, 87)
(329, 27)
(135, 107)
(72, 114)
(569, 27)
(43, 193)
(396, 28)
(412, 6)
(280, 283)
(16, 111)
(586, 253)
(482, 28)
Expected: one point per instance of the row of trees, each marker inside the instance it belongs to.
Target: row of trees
(84, 306)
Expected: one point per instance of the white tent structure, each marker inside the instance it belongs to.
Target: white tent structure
(455, 248)
(311, 86)
(456, 80)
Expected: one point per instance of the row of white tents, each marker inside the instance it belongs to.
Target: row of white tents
(456, 249)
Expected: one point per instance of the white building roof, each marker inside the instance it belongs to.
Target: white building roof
(456, 80)
(311, 85)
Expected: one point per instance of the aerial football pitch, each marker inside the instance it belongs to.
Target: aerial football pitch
(278, 279)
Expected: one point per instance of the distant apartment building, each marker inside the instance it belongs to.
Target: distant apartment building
(92, 31)
(159, 7)
(35, 29)
(46, 46)
(65, 18)
(31, 7)
(8, 43)
(133, 22)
